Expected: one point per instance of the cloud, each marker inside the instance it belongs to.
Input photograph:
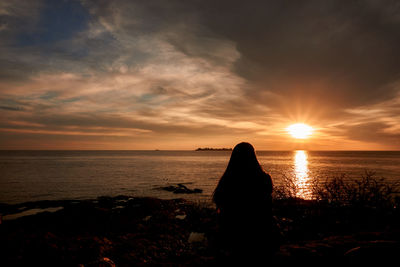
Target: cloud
(199, 70)
(374, 132)
(9, 108)
(345, 51)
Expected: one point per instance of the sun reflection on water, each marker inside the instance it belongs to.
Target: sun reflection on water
(301, 174)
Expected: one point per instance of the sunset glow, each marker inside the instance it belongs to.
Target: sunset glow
(300, 130)
(140, 75)
(281, 118)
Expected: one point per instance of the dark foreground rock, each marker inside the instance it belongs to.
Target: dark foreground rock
(128, 231)
(181, 189)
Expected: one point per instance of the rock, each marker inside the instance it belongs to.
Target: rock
(181, 189)
(147, 218)
(197, 190)
(352, 251)
(196, 237)
(107, 262)
(103, 262)
(378, 251)
(181, 217)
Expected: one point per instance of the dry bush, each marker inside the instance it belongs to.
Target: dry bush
(367, 191)
(288, 189)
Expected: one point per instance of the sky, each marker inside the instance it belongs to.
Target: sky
(156, 74)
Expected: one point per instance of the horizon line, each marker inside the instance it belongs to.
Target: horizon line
(216, 150)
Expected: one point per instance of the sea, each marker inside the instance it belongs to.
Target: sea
(58, 175)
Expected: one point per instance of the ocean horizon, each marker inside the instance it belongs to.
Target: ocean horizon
(33, 175)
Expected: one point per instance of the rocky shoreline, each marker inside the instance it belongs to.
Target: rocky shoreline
(129, 231)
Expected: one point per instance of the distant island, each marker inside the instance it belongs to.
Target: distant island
(213, 149)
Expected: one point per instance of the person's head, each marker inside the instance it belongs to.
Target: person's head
(243, 171)
(243, 159)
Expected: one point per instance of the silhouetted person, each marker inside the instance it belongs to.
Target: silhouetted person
(243, 200)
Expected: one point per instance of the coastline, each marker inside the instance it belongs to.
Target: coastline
(127, 231)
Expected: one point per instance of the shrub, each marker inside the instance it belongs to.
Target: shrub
(288, 189)
(367, 191)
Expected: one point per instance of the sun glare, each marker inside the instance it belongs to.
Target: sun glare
(300, 130)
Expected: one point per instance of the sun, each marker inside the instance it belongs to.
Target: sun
(300, 130)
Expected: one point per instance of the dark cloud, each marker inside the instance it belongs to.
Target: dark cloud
(373, 132)
(342, 50)
(10, 108)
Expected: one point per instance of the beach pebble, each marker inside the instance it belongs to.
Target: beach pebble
(352, 251)
(103, 262)
(147, 218)
(196, 237)
(181, 217)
